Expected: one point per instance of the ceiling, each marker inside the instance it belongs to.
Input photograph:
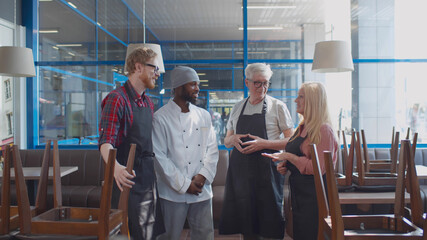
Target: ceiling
(220, 19)
(176, 20)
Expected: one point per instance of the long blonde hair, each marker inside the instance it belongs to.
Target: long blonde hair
(316, 111)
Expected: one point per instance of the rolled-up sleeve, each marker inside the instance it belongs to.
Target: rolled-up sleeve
(113, 107)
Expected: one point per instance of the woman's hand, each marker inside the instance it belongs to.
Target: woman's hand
(276, 156)
(283, 156)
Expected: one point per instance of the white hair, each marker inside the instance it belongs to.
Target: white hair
(258, 68)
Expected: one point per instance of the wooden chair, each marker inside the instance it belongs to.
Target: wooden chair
(72, 222)
(8, 214)
(11, 212)
(381, 164)
(363, 178)
(332, 225)
(344, 180)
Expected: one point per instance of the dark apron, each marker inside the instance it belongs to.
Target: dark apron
(254, 189)
(303, 197)
(144, 213)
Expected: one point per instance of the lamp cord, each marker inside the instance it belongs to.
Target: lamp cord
(15, 41)
(143, 17)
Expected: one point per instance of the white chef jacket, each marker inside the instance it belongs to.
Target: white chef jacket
(185, 145)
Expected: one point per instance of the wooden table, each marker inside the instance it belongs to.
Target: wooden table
(32, 176)
(378, 197)
(369, 197)
(33, 173)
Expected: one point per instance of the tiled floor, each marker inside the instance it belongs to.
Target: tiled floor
(185, 235)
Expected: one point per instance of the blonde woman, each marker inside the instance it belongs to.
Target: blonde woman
(315, 127)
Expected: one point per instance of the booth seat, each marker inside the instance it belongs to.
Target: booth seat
(79, 189)
(83, 187)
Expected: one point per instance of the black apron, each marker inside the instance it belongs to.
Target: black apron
(303, 196)
(144, 213)
(254, 189)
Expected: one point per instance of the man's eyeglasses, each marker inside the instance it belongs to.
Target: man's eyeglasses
(156, 68)
(259, 84)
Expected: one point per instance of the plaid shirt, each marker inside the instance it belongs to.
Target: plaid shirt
(117, 115)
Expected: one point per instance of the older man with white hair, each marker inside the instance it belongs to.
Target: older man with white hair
(254, 188)
(186, 151)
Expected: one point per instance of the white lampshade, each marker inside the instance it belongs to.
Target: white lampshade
(16, 62)
(155, 47)
(332, 56)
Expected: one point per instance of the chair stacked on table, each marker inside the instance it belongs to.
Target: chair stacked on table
(333, 225)
(63, 222)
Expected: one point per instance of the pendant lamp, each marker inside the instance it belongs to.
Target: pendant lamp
(16, 62)
(332, 56)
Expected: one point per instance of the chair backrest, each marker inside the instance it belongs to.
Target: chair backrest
(124, 195)
(399, 204)
(392, 135)
(414, 143)
(344, 152)
(24, 210)
(333, 198)
(57, 190)
(394, 152)
(359, 160)
(21, 193)
(348, 158)
(320, 188)
(408, 133)
(5, 192)
(106, 193)
(365, 151)
(41, 199)
(412, 184)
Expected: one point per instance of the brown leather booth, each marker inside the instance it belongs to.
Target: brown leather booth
(83, 188)
(79, 189)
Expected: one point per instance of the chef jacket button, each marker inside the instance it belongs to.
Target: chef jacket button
(197, 129)
(198, 145)
(200, 160)
(186, 146)
(184, 130)
(189, 162)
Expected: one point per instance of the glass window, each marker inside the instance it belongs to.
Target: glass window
(65, 35)
(7, 90)
(113, 16)
(220, 105)
(70, 99)
(83, 44)
(9, 120)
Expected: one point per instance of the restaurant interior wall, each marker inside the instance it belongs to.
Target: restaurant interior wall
(82, 59)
